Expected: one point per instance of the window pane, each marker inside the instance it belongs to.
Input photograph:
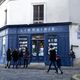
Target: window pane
(41, 14)
(35, 12)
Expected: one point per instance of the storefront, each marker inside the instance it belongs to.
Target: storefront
(37, 37)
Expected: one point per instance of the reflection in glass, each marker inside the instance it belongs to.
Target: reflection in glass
(37, 37)
(48, 40)
(52, 40)
(38, 45)
(41, 52)
(41, 48)
(55, 40)
(34, 52)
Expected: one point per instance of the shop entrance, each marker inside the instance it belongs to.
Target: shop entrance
(38, 48)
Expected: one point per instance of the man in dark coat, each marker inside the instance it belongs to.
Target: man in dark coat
(8, 55)
(52, 58)
(15, 56)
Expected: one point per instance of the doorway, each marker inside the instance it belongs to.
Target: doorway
(38, 48)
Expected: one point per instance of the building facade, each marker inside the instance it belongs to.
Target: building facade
(39, 23)
(38, 38)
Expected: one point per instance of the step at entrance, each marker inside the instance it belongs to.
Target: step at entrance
(37, 66)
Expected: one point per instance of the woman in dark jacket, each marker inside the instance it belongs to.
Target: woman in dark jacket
(8, 55)
(58, 61)
(26, 57)
(52, 58)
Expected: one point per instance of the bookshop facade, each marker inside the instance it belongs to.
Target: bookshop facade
(38, 38)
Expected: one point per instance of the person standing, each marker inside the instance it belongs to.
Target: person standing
(26, 57)
(52, 58)
(20, 57)
(8, 54)
(15, 56)
(58, 61)
(72, 56)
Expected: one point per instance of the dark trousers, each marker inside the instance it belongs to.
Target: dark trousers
(54, 63)
(59, 67)
(72, 61)
(20, 61)
(25, 63)
(15, 63)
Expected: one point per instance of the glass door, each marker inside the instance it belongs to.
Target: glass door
(37, 48)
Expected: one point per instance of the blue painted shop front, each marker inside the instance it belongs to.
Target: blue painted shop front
(38, 38)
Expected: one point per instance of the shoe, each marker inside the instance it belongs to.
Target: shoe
(8, 66)
(26, 66)
(16, 67)
(13, 67)
(23, 66)
(56, 72)
(61, 72)
(5, 66)
(47, 71)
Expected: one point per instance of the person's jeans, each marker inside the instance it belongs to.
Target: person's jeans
(25, 63)
(15, 63)
(59, 67)
(8, 64)
(55, 66)
(20, 61)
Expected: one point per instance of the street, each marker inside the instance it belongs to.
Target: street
(36, 74)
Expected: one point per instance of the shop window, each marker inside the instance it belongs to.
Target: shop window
(22, 42)
(52, 40)
(37, 45)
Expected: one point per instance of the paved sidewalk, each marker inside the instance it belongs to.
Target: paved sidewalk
(37, 73)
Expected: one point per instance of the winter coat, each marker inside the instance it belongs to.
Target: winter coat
(15, 55)
(26, 55)
(8, 55)
(58, 60)
(52, 55)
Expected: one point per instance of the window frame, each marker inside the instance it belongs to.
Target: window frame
(38, 16)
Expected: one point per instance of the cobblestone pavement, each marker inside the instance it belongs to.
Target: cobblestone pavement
(36, 74)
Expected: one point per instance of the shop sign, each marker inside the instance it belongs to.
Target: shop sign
(37, 30)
